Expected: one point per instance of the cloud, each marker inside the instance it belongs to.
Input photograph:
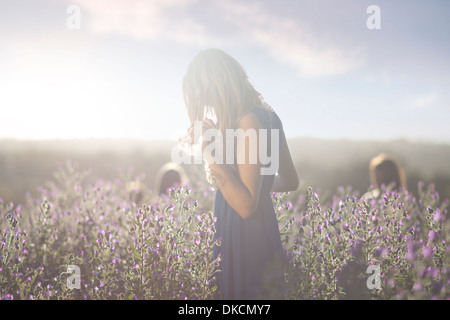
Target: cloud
(291, 42)
(214, 23)
(143, 19)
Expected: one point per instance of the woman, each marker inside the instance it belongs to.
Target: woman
(251, 267)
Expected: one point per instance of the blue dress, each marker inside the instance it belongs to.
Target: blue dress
(251, 264)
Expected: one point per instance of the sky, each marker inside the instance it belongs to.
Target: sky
(115, 70)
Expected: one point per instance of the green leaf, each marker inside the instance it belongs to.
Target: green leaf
(149, 240)
(134, 221)
(135, 251)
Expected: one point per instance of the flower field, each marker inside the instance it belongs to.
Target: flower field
(161, 247)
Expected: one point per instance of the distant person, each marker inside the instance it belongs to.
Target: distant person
(384, 169)
(169, 175)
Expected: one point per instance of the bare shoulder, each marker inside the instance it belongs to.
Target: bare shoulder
(248, 121)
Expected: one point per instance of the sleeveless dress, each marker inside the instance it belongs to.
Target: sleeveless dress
(251, 265)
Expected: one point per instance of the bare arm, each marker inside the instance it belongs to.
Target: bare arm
(241, 190)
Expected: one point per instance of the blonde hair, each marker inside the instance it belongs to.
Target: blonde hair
(216, 83)
(384, 169)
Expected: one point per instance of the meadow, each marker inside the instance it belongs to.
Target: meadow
(80, 213)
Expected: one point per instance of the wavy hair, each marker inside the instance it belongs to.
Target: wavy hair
(217, 84)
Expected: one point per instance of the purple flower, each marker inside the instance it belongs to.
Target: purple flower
(304, 221)
(417, 286)
(409, 250)
(438, 216)
(288, 206)
(427, 252)
(432, 235)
